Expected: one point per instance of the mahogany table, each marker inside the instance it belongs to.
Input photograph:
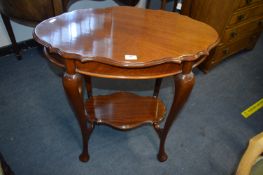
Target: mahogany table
(125, 43)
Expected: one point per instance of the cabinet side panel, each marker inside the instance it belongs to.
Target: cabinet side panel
(213, 12)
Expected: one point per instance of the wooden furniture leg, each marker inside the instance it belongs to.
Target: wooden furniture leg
(125, 110)
(88, 86)
(183, 85)
(163, 4)
(148, 3)
(10, 32)
(157, 86)
(72, 83)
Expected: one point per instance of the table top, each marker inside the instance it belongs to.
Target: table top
(126, 36)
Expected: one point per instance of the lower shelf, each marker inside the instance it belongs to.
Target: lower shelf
(123, 110)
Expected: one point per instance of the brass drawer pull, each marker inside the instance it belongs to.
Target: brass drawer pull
(241, 17)
(233, 34)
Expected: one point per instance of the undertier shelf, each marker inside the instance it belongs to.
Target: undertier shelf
(123, 110)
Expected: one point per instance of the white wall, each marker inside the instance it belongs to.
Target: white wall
(4, 39)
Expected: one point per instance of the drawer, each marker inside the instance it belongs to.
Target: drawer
(230, 49)
(240, 31)
(246, 14)
(244, 3)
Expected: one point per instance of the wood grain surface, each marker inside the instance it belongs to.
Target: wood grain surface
(125, 110)
(107, 35)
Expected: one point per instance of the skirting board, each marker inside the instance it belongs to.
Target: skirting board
(23, 45)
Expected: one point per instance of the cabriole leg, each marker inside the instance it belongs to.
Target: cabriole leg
(183, 86)
(157, 86)
(163, 4)
(72, 83)
(88, 86)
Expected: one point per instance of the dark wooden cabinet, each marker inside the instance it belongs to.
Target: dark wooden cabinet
(238, 22)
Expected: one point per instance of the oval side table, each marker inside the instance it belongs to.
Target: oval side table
(125, 43)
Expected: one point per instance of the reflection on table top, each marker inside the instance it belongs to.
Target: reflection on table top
(107, 35)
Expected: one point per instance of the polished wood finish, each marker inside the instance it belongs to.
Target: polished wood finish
(125, 110)
(246, 14)
(88, 86)
(102, 70)
(99, 36)
(238, 22)
(32, 12)
(29, 13)
(244, 3)
(241, 31)
(89, 43)
(212, 12)
(157, 87)
(224, 51)
(183, 86)
(73, 87)
(107, 71)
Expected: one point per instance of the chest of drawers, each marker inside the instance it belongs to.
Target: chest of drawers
(239, 23)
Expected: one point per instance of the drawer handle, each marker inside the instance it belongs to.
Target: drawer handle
(248, 1)
(233, 34)
(241, 17)
(226, 51)
(260, 23)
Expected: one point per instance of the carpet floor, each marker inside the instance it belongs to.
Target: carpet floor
(39, 134)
